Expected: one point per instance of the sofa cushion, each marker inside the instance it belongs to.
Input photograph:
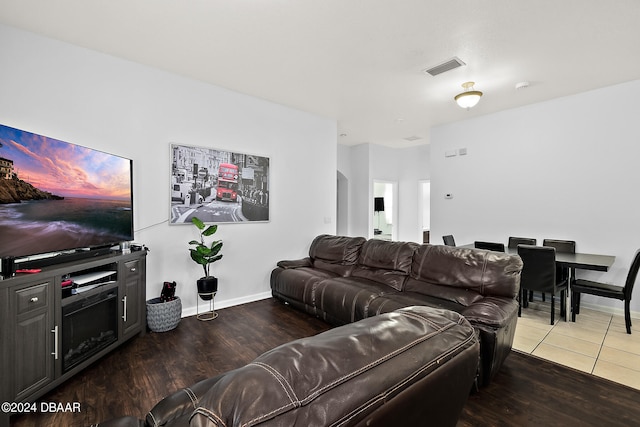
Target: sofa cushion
(298, 284)
(335, 253)
(485, 272)
(385, 262)
(345, 299)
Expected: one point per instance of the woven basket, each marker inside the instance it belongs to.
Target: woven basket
(163, 316)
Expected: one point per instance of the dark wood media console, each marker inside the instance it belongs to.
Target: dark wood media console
(49, 333)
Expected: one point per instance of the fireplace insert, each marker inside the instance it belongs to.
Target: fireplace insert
(89, 324)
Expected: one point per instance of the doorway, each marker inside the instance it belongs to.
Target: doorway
(342, 206)
(424, 209)
(384, 210)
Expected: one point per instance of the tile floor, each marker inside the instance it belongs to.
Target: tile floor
(596, 343)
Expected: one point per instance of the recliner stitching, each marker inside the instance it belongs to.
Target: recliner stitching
(295, 401)
(288, 389)
(484, 270)
(207, 413)
(155, 421)
(192, 396)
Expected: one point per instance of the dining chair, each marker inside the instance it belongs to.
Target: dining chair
(449, 240)
(490, 246)
(513, 244)
(623, 293)
(566, 246)
(539, 274)
(515, 241)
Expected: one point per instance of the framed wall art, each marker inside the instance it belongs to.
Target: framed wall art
(218, 186)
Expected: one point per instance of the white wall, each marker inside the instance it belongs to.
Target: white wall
(357, 171)
(566, 169)
(88, 98)
(365, 163)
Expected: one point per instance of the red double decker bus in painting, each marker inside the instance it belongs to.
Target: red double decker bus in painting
(227, 182)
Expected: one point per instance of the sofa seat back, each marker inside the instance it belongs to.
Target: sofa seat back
(388, 263)
(393, 301)
(337, 254)
(468, 273)
(462, 296)
(384, 365)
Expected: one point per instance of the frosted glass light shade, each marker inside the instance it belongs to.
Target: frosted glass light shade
(469, 98)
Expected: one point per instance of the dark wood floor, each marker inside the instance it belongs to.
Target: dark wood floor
(527, 391)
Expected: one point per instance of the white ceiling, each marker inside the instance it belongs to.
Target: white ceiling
(361, 61)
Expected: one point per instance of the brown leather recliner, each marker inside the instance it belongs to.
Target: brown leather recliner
(414, 366)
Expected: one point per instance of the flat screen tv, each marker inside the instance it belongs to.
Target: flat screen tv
(57, 197)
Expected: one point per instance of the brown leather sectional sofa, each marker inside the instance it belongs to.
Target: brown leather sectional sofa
(345, 279)
(411, 367)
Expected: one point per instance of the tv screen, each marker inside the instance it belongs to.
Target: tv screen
(56, 196)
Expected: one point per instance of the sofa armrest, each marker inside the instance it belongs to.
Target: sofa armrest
(298, 263)
(494, 312)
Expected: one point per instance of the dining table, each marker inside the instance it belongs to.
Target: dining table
(572, 261)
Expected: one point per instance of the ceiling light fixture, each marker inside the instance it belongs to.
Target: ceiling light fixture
(469, 97)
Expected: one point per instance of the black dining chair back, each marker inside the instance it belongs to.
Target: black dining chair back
(568, 246)
(631, 276)
(515, 241)
(623, 293)
(490, 246)
(539, 274)
(449, 240)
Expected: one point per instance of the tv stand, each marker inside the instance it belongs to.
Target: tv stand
(34, 311)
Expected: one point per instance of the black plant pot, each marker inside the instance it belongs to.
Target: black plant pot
(207, 285)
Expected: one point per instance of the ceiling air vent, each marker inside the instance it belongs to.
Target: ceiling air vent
(412, 138)
(445, 66)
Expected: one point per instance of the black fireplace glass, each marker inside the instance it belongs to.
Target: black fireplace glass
(89, 324)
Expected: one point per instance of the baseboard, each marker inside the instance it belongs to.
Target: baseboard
(192, 311)
(618, 311)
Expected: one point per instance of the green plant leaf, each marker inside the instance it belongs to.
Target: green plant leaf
(198, 257)
(198, 223)
(215, 247)
(211, 230)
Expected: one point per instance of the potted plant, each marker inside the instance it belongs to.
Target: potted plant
(205, 255)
